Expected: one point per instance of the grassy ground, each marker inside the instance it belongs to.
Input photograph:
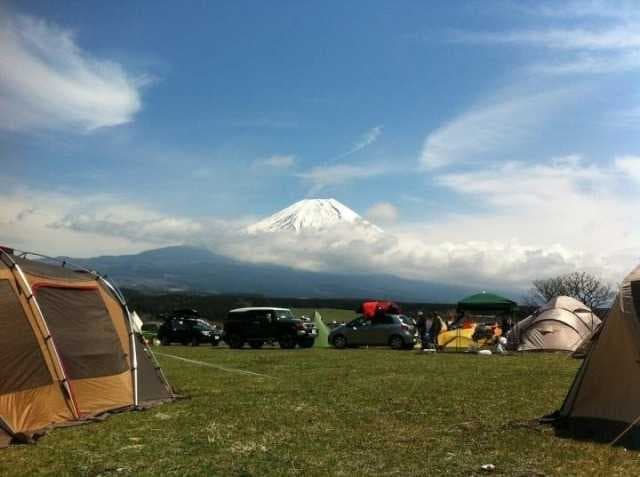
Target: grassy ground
(328, 412)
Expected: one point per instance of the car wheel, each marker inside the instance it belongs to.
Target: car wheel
(195, 341)
(287, 342)
(236, 342)
(164, 341)
(396, 342)
(339, 341)
(256, 344)
(215, 342)
(306, 343)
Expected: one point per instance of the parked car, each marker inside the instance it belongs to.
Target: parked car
(188, 327)
(260, 325)
(389, 330)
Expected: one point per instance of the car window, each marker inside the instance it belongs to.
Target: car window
(261, 315)
(361, 321)
(177, 324)
(284, 315)
(405, 319)
(238, 315)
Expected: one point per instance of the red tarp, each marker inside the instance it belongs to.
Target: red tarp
(370, 308)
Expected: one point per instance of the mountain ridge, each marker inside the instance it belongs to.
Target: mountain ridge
(196, 269)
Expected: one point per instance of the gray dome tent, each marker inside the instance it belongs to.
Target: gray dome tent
(561, 324)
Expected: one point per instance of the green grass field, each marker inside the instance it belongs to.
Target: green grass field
(328, 314)
(328, 412)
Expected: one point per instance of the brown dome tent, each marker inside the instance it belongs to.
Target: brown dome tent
(561, 324)
(603, 402)
(67, 347)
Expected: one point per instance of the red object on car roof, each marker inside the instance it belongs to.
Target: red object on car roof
(369, 309)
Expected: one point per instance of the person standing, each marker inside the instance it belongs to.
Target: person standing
(436, 328)
(421, 326)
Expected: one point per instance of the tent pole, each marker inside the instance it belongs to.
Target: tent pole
(48, 338)
(134, 357)
(626, 429)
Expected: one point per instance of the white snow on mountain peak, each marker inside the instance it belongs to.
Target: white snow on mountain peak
(312, 214)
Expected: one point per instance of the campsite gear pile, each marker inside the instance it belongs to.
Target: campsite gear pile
(603, 402)
(69, 349)
(476, 325)
(562, 324)
(371, 309)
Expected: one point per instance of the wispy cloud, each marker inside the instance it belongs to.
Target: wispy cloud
(322, 177)
(611, 38)
(628, 118)
(614, 9)
(48, 82)
(277, 161)
(491, 129)
(363, 141)
(596, 38)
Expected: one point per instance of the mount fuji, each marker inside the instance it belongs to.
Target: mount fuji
(313, 215)
(200, 270)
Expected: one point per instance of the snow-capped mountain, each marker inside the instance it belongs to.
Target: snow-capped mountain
(312, 214)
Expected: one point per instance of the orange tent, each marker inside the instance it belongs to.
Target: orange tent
(68, 349)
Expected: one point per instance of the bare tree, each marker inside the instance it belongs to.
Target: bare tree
(586, 287)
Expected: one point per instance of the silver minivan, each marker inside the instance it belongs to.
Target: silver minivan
(395, 331)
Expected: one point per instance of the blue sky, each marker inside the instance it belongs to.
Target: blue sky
(494, 130)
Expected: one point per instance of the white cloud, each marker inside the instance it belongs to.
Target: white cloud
(382, 213)
(48, 82)
(368, 138)
(65, 224)
(630, 166)
(489, 128)
(535, 220)
(568, 203)
(322, 177)
(277, 161)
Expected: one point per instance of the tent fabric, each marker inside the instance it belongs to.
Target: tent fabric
(605, 395)
(66, 350)
(561, 324)
(84, 333)
(136, 321)
(151, 383)
(486, 302)
(23, 365)
(370, 308)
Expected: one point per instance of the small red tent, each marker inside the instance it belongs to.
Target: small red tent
(369, 309)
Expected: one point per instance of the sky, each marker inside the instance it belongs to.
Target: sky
(495, 142)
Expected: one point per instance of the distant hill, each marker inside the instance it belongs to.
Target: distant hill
(198, 270)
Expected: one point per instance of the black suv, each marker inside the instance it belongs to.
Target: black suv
(188, 327)
(258, 326)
